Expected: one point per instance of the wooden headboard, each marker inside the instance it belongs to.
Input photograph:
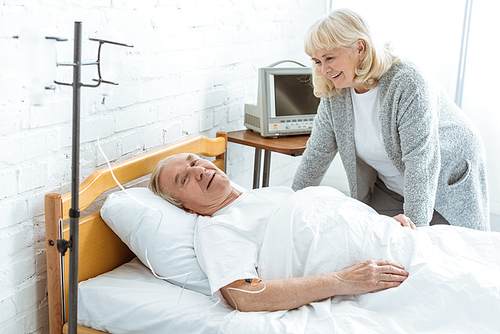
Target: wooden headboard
(100, 250)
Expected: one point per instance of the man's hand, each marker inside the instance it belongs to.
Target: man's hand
(404, 221)
(290, 293)
(370, 276)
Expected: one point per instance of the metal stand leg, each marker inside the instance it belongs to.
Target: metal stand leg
(256, 168)
(74, 212)
(267, 169)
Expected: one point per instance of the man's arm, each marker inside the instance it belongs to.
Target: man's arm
(290, 293)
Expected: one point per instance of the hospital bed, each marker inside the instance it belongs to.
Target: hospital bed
(120, 292)
(101, 250)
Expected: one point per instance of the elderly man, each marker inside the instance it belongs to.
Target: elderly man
(229, 235)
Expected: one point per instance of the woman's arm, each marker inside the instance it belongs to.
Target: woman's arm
(417, 126)
(320, 151)
(290, 293)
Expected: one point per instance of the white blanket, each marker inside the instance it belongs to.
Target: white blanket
(453, 287)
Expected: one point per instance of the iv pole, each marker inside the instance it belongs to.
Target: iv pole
(74, 212)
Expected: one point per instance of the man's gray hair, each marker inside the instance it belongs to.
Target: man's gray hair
(154, 183)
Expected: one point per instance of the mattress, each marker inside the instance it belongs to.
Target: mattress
(130, 299)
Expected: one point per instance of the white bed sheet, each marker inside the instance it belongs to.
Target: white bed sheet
(130, 299)
(453, 287)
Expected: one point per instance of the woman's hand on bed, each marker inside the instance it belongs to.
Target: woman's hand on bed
(405, 221)
(370, 276)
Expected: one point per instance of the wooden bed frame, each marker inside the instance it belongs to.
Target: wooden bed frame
(100, 250)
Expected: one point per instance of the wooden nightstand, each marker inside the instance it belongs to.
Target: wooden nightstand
(292, 145)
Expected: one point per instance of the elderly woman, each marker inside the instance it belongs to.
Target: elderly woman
(405, 146)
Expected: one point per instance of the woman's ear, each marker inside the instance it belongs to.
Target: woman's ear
(361, 47)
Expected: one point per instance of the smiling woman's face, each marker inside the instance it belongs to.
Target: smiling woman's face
(339, 65)
(196, 182)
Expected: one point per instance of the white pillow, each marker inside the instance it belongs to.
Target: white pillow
(170, 251)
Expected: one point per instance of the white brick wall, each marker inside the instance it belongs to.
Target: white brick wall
(193, 66)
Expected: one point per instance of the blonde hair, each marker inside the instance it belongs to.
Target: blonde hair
(342, 28)
(154, 182)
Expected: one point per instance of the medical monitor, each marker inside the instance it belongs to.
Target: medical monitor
(285, 105)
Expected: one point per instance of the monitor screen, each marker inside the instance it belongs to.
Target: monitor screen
(286, 104)
(294, 95)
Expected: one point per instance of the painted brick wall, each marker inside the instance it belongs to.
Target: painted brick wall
(193, 66)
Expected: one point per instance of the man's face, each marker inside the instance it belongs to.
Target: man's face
(196, 182)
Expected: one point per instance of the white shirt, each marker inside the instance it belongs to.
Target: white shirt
(368, 139)
(228, 243)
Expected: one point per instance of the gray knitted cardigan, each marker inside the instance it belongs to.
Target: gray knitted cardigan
(426, 136)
